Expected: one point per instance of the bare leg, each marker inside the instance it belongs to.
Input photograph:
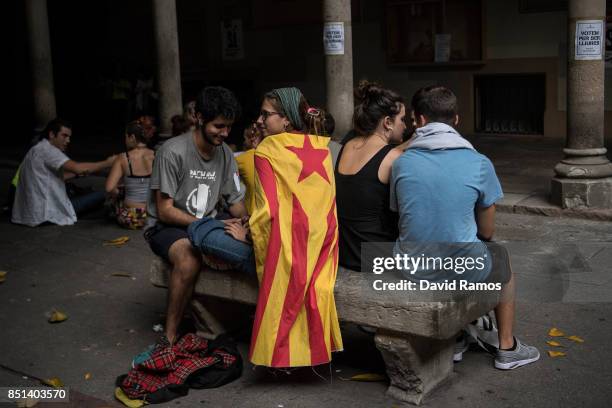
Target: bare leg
(504, 313)
(186, 264)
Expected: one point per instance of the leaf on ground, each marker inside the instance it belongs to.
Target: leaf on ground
(57, 317)
(368, 377)
(554, 332)
(121, 274)
(554, 343)
(2, 276)
(27, 403)
(576, 339)
(54, 382)
(117, 241)
(88, 376)
(556, 353)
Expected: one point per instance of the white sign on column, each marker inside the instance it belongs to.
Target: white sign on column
(589, 39)
(333, 38)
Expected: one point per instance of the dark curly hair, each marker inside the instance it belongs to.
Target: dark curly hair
(135, 128)
(55, 126)
(214, 101)
(374, 103)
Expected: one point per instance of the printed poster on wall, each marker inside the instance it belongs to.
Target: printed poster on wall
(589, 39)
(333, 38)
(232, 42)
(442, 48)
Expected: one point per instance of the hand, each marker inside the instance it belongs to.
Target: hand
(237, 231)
(231, 221)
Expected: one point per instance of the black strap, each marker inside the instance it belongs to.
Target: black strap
(129, 163)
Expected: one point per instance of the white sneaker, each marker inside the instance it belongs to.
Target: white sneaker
(461, 346)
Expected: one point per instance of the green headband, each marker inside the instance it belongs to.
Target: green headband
(289, 99)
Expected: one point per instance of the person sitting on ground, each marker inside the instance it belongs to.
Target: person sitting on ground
(150, 130)
(363, 170)
(133, 168)
(445, 193)
(191, 174)
(295, 236)
(41, 190)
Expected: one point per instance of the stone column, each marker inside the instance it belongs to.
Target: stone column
(40, 62)
(583, 178)
(339, 68)
(168, 67)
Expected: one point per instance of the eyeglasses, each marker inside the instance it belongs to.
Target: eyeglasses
(266, 114)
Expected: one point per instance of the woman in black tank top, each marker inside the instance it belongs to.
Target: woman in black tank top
(362, 173)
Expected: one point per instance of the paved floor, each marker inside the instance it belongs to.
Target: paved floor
(564, 281)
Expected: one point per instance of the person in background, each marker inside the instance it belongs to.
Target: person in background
(41, 190)
(246, 163)
(132, 170)
(180, 125)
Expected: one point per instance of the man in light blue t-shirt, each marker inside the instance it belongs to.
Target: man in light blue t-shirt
(445, 194)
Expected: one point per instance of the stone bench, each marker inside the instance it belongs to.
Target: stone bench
(416, 339)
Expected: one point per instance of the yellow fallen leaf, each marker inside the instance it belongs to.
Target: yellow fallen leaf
(556, 353)
(369, 377)
(57, 317)
(54, 382)
(576, 339)
(554, 332)
(2, 276)
(130, 403)
(87, 376)
(554, 343)
(117, 241)
(27, 403)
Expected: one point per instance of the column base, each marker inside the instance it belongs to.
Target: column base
(415, 365)
(582, 193)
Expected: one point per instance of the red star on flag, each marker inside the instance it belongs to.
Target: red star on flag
(312, 159)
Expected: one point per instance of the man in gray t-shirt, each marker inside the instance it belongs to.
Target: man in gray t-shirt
(192, 174)
(194, 183)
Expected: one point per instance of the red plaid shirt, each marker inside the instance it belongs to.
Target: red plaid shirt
(172, 365)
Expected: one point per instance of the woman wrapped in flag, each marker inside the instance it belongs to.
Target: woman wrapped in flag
(294, 232)
(295, 236)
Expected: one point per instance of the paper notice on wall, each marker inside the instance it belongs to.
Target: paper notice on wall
(232, 41)
(589, 39)
(443, 48)
(333, 38)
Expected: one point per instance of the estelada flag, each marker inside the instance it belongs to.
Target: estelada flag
(295, 239)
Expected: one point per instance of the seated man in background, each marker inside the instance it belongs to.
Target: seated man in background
(41, 190)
